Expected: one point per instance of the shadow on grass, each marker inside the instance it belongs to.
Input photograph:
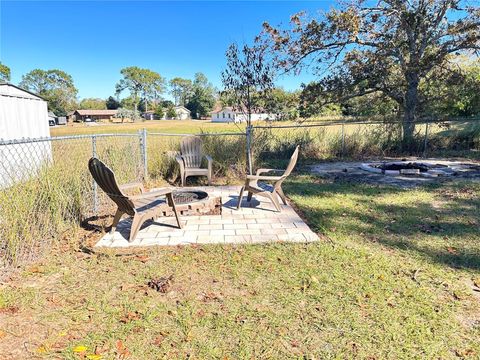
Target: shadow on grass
(444, 229)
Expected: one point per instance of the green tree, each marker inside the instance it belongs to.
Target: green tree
(456, 92)
(92, 103)
(203, 97)
(56, 86)
(159, 111)
(374, 104)
(123, 114)
(111, 103)
(283, 104)
(127, 103)
(166, 103)
(4, 73)
(313, 102)
(390, 47)
(227, 98)
(181, 89)
(171, 113)
(141, 83)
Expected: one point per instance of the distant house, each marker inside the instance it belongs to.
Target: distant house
(92, 115)
(231, 114)
(182, 113)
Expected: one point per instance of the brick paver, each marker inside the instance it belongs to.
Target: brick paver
(255, 222)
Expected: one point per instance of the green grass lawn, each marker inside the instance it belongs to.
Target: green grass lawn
(392, 278)
(164, 126)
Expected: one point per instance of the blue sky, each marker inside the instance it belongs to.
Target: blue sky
(93, 40)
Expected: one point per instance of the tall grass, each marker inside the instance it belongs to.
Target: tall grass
(35, 211)
(227, 151)
(456, 136)
(353, 142)
(56, 193)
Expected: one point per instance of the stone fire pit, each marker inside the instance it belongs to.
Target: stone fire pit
(422, 168)
(195, 203)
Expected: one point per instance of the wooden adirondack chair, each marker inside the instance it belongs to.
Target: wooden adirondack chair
(190, 159)
(143, 207)
(265, 190)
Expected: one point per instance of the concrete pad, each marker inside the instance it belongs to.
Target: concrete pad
(255, 222)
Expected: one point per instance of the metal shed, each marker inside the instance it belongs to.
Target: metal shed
(23, 115)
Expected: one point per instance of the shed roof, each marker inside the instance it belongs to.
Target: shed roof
(7, 89)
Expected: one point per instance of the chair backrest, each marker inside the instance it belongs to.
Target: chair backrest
(292, 163)
(191, 149)
(105, 178)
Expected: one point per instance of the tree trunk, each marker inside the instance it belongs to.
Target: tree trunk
(411, 102)
(135, 111)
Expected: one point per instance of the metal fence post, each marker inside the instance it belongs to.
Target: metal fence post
(425, 141)
(248, 133)
(143, 149)
(343, 139)
(94, 186)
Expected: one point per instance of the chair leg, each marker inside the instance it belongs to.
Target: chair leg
(184, 179)
(249, 196)
(116, 220)
(209, 177)
(240, 196)
(280, 193)
(174, 208)
(137, 222)
(274, 199)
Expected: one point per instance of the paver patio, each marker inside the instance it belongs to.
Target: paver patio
(255, 222)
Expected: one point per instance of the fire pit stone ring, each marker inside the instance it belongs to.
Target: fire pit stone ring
(189, 196)
(415, 168)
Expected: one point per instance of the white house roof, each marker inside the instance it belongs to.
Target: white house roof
(182, 108)
(237, 110)
(7, 89)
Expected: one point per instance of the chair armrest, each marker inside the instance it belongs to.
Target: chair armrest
(268, 178)
(179, 159)
(261, 171)
(181, 162)
(151, 194)
(132, 185)
(209, 158)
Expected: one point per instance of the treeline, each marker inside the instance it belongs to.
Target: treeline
(144, 89)
(440, 95)
(444, 94)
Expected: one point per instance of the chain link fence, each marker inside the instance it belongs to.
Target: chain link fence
(355, 140)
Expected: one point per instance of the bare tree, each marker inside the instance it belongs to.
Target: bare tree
(247, 78)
